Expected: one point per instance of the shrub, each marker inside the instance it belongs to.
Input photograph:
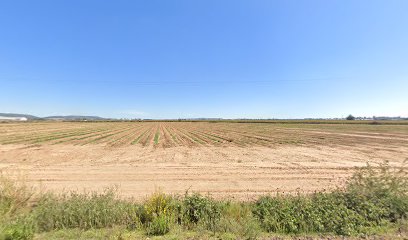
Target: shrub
(200, 209)
(14, 206)
(20, 229)
(238, 218)
(157, 205)
(157, 214)
(14, 198)
(319, 213)
(332, 215)
(373, 197)
(379, 193)
(159, 225)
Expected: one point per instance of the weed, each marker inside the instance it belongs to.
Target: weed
(159, 225)
(200, 209)
(156, 137)
(19, 229)
(84, 211)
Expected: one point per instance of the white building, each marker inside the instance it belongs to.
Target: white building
(13, 118)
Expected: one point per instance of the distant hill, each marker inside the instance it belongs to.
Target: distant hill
(74, 118)
(17, 116)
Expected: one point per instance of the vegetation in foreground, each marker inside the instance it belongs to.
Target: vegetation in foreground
(374, 202)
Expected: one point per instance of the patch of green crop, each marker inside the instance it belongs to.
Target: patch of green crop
(156, 137)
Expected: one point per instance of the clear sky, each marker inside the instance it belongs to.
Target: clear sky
(209, 58)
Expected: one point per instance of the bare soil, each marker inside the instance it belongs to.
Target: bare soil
(259, 160)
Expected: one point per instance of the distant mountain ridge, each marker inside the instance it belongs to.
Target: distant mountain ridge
(17, 115)
(66, 118)
(75, 117)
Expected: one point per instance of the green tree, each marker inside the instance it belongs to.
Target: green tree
(350, 117)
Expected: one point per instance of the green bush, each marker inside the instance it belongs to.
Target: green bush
(202, 210)
(14, 198)
(157, 205)
(14, 210)
(159, 225)
(20, 229)
(318, 213)
(379, 194)
(157, 214)
(237, 218)
(373, 197)
(343, 220)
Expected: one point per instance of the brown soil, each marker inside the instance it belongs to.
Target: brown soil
(226, 160)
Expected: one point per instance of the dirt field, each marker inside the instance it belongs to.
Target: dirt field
(237, 160)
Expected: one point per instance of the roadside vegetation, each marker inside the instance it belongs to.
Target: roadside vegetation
(373, 202)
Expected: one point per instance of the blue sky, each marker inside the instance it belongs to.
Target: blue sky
(220, 58)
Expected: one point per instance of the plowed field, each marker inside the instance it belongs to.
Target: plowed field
(239, 160)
